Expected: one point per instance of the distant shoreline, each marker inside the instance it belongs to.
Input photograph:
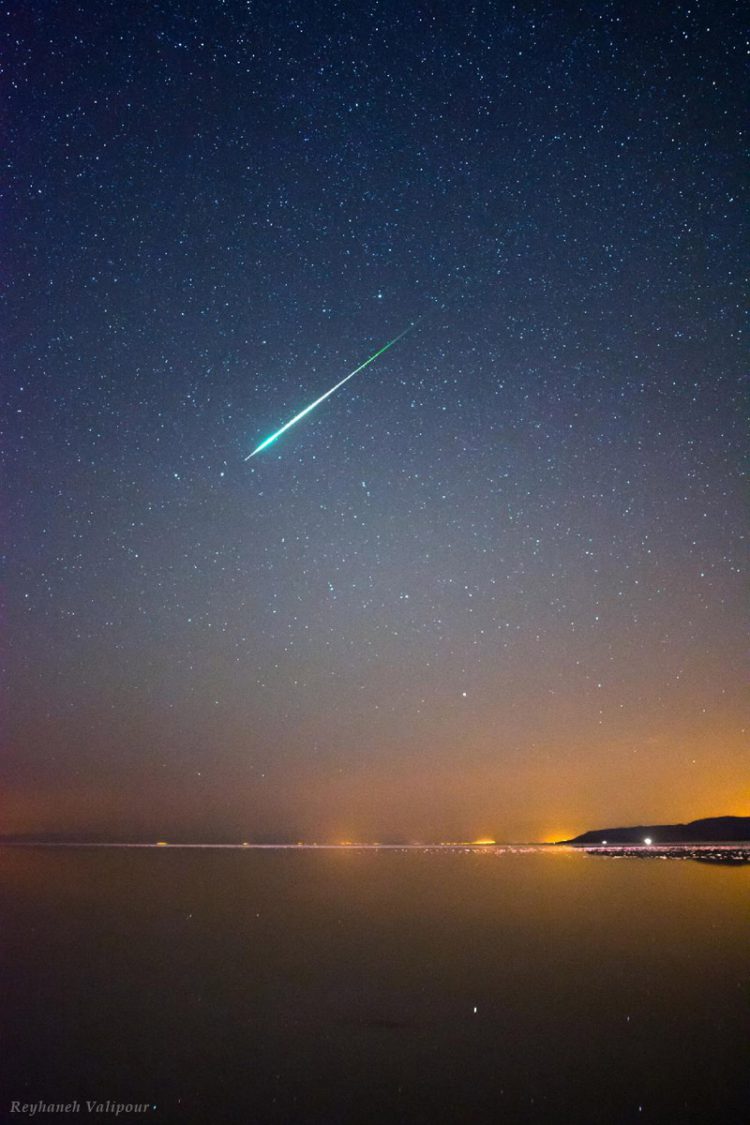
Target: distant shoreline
(708, 830)
(671, 850)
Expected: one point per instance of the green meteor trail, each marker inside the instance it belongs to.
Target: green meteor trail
(302, 413)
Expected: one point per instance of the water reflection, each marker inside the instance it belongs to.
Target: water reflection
(406, 985)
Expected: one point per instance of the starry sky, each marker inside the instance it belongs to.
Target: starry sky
(491, 586)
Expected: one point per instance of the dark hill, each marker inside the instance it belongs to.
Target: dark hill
(710, 830)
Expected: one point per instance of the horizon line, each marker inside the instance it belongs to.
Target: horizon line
(243, 845)
(650, 846)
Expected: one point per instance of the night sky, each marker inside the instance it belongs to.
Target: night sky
(491, 586)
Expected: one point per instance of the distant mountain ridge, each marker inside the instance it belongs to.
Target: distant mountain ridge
(709, 830)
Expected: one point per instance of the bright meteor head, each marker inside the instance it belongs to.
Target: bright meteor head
(298, 417)
(263, 445)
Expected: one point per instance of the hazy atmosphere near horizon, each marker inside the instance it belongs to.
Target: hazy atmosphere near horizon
(493, 585)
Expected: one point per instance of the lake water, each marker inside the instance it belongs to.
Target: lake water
(391, 986)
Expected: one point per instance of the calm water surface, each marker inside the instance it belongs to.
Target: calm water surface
(347, 986)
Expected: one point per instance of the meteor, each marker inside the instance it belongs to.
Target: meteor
(356, 371)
